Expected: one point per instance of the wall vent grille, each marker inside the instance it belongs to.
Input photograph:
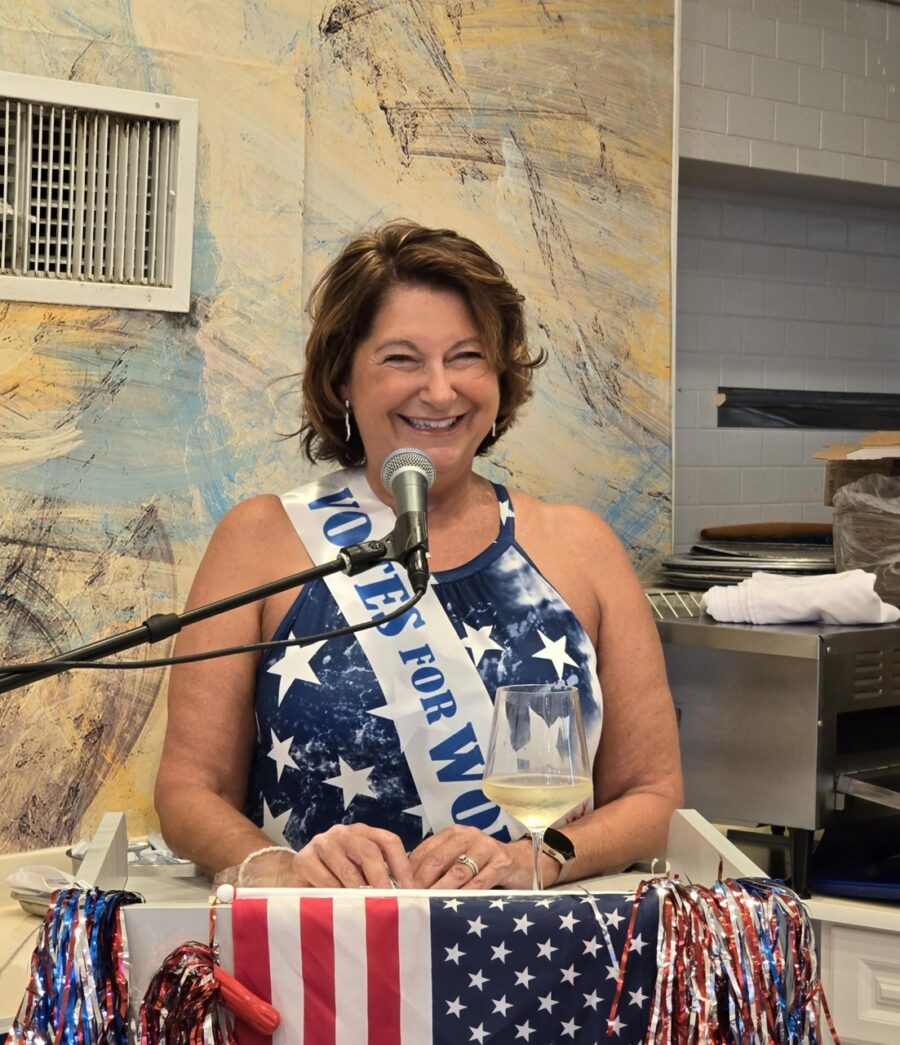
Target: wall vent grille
(92, 206)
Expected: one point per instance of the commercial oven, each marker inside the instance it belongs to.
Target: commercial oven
(793, 726)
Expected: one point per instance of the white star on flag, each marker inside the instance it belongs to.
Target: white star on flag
(478, 641)
(500, 952)
(615, 1026)
(612, 972)
(638, 943)
(567, 921)
(352, 782)
(523, 1030)
(478, 1033)
(497, 904)
(555, 652)
(569, 975)
(281, 754)
(547, 1003)
(523, 978)
(523, 924)
(295, 666)
(273, 826)
(591, 947)
(613, 919)
(546, 949)
(477, 979)
(501, 1005)
(477, 926)
(454, 954)
(569, 1028)
(454, 1008)
(637, 997)
(592, 999)
(452, 905)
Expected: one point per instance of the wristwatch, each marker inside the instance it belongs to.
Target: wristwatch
(558, 846)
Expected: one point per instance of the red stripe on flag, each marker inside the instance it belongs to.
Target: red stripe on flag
(317, 955)
(250, 931)
(383, 970)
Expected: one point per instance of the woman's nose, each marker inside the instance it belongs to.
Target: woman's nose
(438, 385)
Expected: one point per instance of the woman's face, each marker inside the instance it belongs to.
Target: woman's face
(421, 378)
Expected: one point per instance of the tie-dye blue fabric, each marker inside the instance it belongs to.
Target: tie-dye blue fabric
(328, 753)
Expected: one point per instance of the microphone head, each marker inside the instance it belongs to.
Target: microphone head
(407, 459)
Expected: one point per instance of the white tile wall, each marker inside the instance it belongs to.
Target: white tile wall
(800, 86)
(774, 293)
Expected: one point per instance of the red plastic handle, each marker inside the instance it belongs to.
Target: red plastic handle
(256, 1013)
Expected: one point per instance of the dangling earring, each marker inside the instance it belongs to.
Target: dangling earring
(494, 430)
(347, 419)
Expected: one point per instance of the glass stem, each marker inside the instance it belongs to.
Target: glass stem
(537, 878)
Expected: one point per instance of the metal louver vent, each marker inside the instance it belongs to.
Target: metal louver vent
(91, 207)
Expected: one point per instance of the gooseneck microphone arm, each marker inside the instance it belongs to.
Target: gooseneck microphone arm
(350, 560)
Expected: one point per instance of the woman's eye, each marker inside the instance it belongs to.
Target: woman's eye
(472, 355)
(400, 358)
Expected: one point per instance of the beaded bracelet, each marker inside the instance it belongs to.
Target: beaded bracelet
(259, 852)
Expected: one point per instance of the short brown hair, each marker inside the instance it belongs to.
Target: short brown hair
(346, 298)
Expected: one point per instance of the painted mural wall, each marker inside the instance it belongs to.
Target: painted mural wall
(542, 129)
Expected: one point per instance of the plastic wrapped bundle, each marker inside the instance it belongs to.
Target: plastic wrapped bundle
(867, 531)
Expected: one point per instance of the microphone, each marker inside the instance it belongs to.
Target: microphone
(408, 474)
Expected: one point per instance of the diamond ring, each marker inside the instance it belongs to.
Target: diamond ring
(464, 858)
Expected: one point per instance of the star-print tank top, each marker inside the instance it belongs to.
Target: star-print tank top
(327, 749)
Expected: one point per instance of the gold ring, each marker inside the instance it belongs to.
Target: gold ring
(464, 858)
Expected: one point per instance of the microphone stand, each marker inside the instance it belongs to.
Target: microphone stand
(352, 560)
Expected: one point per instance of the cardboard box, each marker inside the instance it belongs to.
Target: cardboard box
(877, 453)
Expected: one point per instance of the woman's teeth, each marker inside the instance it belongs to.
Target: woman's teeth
(418, 422)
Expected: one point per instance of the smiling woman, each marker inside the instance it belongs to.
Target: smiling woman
(362, 757)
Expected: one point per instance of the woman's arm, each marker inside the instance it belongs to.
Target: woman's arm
(211, 732)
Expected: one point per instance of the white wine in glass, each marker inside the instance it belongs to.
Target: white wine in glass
(537, 765)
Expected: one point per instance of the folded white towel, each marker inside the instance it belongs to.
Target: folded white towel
(834, 598)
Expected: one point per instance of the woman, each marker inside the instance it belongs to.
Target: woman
(363, 753)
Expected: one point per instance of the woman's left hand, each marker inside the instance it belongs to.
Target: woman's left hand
(437, 864)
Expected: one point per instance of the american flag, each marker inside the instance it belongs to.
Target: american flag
(367, 968)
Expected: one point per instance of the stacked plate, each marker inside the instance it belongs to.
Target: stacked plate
(730, 562)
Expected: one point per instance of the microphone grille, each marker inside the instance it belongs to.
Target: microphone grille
(407, 457)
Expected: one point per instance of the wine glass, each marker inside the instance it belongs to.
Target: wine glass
(537, 764)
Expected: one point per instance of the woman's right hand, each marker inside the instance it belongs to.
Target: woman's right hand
(352, 855)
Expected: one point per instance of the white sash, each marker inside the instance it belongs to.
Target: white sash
(435, 696)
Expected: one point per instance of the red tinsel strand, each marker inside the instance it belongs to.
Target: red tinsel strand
(182, 1004)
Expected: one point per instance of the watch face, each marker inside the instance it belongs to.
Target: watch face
(558, 841)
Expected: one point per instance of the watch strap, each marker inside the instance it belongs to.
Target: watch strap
(558, 846)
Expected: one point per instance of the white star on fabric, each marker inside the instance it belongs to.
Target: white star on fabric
(547, 1003)
(591, 947)
(612, 972)
(592, 999)
(568, 975)
(352, 782)
(506, 511)
(614, 1026)
(523, 1030)
(500, 952)
(555, 652)
(637, 997)
(454, 1008)
(478, 1033)
(546, 949)
(281, 754)
(613, 919)
(295, 666)
(454, 954)
(567, 921)
(452, 905)
(522, 924)
(569, 1028)
(273, 826)
(477, 927)
(501, 1005)
(477, 979)
(543, 903)
(523, 978)
(478, 641)
(638, 943)
(419, 811)
(498, 904)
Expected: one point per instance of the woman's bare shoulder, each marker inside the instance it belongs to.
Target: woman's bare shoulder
(561, 521)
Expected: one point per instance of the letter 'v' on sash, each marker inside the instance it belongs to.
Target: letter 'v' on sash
(338, 510)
